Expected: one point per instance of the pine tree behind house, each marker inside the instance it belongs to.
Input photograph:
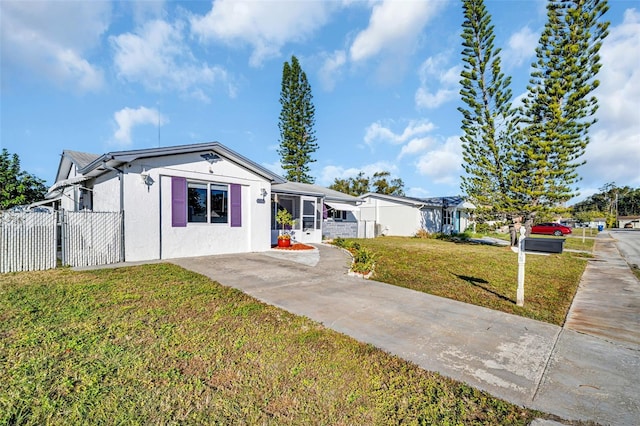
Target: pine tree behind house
(296, 125)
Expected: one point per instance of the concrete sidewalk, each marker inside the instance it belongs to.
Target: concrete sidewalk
(573, 372)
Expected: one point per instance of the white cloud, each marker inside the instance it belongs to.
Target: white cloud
(331, 68)
(521, 46)
(146, 10)
(38, 37)
(158, 57)
(329, 173)
(613, 154)
(434, 70)
(264, 25)
(378, 132)
(393, 24)
(443, 164)
(127, 118)
(416, 146)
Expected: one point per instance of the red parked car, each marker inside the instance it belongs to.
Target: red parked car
(550, 229)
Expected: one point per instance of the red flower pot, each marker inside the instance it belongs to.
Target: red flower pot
(284, 242)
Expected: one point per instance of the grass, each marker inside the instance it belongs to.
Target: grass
(156, 344)
(479, 274)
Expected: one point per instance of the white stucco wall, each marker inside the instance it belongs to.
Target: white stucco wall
(393, 218)
(464, 221)
(432, 219)
(148, 230)
(106, 193)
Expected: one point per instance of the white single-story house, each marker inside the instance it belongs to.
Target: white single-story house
(193, 200)
(404, 216)
(178, 201)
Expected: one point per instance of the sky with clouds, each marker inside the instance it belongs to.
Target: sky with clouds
(99, 76)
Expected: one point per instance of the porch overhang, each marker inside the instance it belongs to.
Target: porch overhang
(65, 183)
(342, 206)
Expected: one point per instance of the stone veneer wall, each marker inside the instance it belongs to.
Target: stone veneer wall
(331, 229)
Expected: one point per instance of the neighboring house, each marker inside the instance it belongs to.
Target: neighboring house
(404, 216)
(319, 212)
(632, 222)
(178, 201)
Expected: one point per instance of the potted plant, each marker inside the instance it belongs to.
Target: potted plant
(284, 218)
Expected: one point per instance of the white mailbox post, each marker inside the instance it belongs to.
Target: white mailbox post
(521, 261)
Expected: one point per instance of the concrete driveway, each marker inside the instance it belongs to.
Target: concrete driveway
(573, 372)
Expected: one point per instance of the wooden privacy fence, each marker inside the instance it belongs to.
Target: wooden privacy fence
(29, 240)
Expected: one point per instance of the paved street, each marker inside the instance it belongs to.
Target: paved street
(628, 243)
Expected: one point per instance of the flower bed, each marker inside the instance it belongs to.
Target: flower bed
(296, 246)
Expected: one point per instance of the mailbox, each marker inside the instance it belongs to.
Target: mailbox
(544, 245)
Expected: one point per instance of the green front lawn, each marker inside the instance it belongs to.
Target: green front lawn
(156, 344)
(480, 274)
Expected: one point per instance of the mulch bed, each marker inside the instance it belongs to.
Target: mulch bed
(296, 246)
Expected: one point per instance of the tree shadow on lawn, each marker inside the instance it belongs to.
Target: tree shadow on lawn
(494, 242)
(477, 282)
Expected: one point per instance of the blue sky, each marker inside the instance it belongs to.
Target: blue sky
(98, 76)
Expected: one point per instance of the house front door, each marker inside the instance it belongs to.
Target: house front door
(311, 221)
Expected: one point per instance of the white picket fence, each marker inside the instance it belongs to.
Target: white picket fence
(28, 240)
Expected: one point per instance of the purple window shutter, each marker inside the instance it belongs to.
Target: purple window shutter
(236, 205)
(178, 201)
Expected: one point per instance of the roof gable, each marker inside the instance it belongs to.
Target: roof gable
(95, 165)
(70, 158)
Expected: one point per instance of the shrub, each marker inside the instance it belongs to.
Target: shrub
(363, 258)
(463, 235)
(423, 233)
(363, 261)
(352, 245)
(483, 228)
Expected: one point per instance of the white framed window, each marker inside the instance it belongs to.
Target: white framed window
(207, 202)
(337, 214)
(447, 218)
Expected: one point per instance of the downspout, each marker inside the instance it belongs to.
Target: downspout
(160, 176)
(121, 179)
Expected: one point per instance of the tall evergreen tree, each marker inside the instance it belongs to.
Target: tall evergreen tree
(557, 112)
(488, 119)
(297, 118)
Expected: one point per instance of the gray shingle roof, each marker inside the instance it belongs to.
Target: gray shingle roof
(312, 189)
(80, 159)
